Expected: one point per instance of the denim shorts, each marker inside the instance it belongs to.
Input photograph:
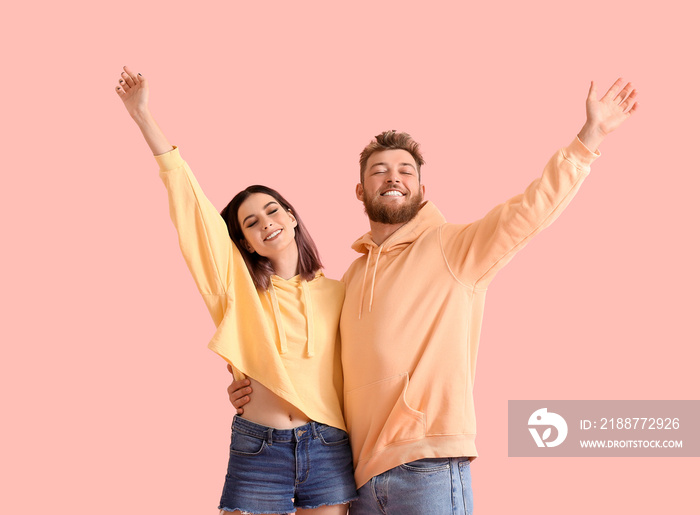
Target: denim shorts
(435, 486)
(279, 470)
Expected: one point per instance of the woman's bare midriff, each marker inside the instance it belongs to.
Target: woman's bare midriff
(270, 410)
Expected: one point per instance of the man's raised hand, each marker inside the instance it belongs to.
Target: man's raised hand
(606, 114)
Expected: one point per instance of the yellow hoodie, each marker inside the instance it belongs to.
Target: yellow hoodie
(412, 317)
(286, 338)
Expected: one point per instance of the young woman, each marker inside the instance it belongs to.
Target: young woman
(277, 323)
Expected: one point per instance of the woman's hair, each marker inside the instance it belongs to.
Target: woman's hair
(260, 267)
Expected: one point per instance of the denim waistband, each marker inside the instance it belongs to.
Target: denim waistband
(272, 434)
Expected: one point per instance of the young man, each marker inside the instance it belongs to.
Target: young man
(412, 315)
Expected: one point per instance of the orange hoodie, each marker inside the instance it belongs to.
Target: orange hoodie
(412, 317)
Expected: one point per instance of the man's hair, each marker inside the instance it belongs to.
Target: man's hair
(260, 267)
(391, 140)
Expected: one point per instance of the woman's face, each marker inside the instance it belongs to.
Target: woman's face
(267, 227)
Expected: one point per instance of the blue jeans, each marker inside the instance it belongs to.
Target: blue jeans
(278, 470)
(432, 486)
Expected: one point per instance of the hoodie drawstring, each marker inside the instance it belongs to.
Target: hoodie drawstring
(364, 280)
(374, 275)
(308, 307)
(278, 318)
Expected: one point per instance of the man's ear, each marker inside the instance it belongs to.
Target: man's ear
(359, 191)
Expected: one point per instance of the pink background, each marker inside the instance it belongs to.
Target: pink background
(111, 401)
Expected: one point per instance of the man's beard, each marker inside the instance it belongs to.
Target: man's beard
(382, 213)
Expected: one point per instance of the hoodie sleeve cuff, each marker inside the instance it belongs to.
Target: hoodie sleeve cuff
(578, 153)
(170, 160)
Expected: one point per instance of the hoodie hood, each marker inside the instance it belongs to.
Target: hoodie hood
(428, 217)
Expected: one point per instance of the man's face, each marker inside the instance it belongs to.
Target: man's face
(392, 193)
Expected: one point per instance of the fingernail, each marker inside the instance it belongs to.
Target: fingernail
(120, 81)
(141, 75)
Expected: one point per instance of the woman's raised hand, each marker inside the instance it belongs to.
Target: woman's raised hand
(133, 90)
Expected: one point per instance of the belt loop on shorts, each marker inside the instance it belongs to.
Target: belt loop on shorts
(269, 435)
(314, 429)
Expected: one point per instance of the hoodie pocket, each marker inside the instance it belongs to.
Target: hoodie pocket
(378, 415)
